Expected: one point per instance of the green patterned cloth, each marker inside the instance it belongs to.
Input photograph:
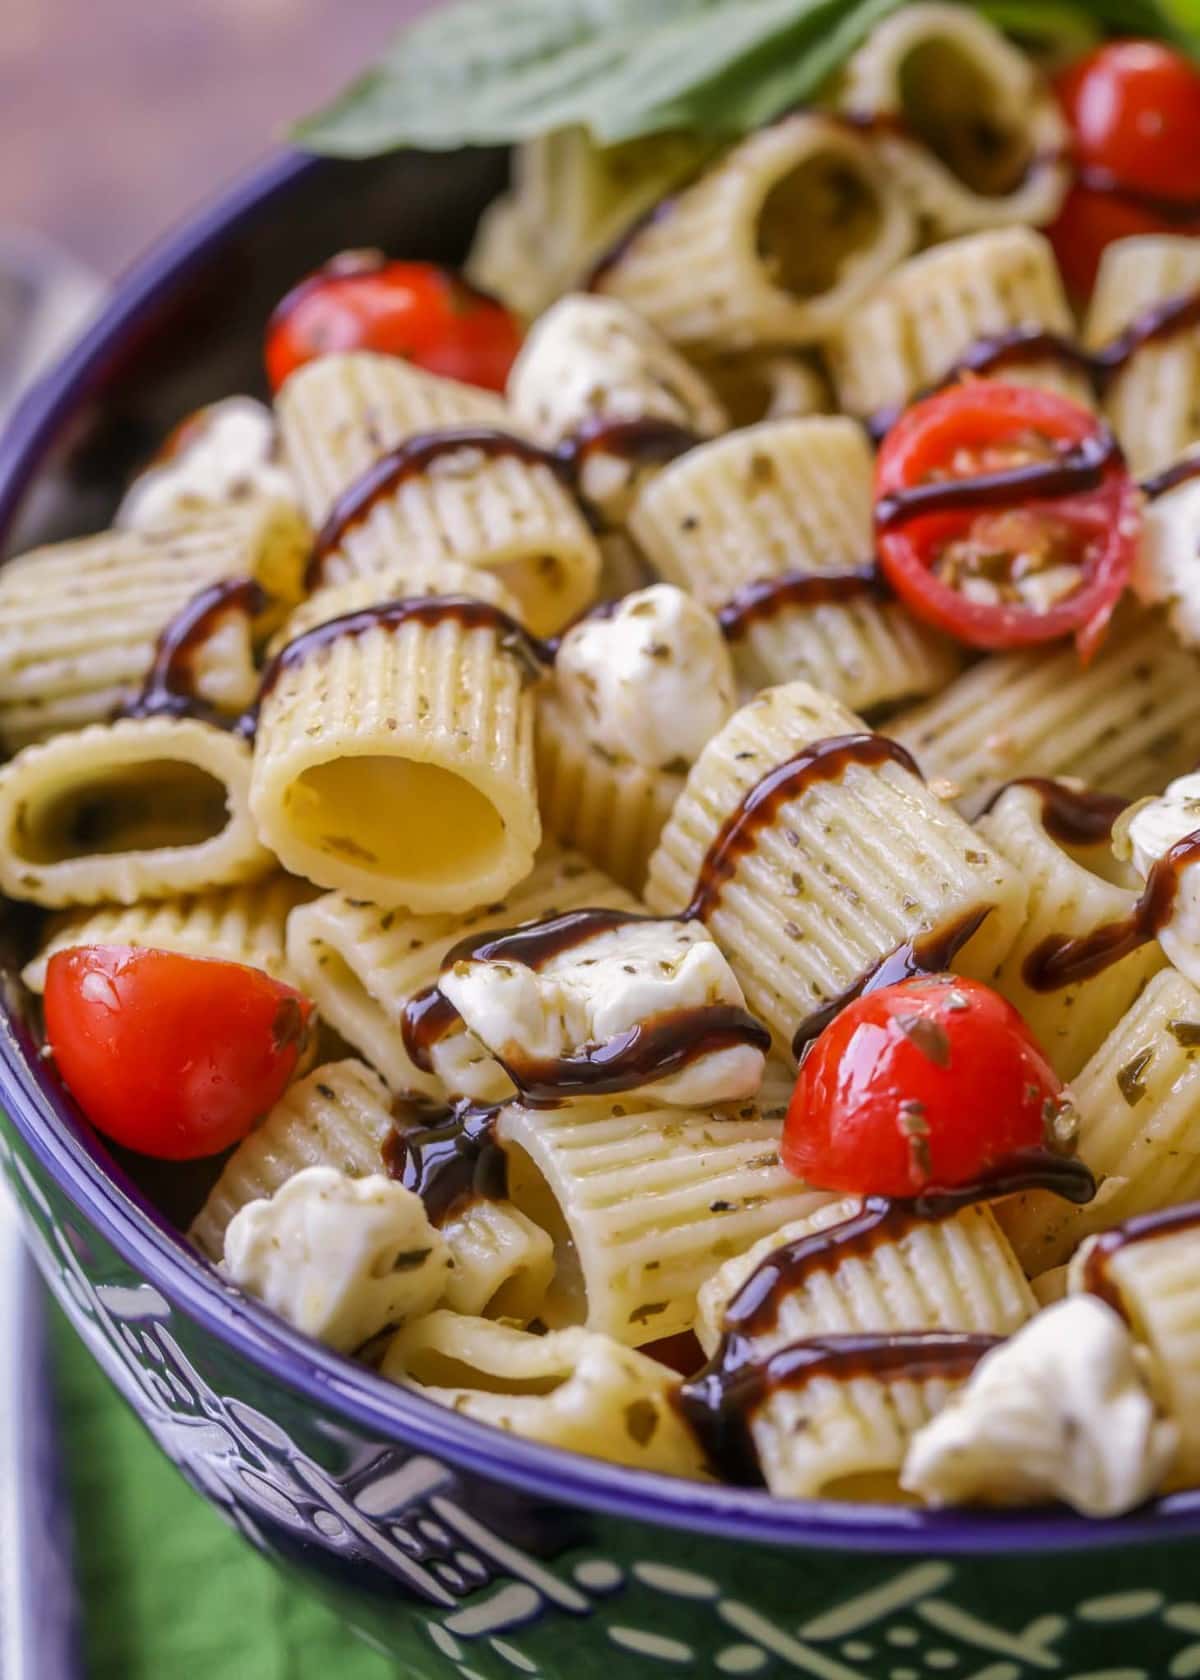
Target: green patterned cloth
(167, 1588)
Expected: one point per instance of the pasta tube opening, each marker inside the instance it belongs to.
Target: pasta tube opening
(130, 807)
(815, 219)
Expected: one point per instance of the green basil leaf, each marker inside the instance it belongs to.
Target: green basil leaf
(482, 72)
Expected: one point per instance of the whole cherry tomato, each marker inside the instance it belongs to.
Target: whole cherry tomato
(425, 314)
(930, 1082)
(1041, 540)
(173, 1056)
(1134, 112)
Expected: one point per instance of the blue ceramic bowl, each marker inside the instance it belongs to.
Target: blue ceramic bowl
(460, 1550)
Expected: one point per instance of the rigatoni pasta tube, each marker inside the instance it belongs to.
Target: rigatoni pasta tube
(847, 1437)
(339, 1116)
(1139, 1106)
(774, 243)
(503, 1262)
(768, 384)
(79, 620)
(1153, 401)
(361, 965)
(841, 866)
(644, 1203)
(505, 512)
(572, 1389)
(236, 924)
(913, 328)
(1154, 1281)
(1073, 890)
(144, 808)
(781, 498)
(1128, 723)
(394, 761)
(967, 126)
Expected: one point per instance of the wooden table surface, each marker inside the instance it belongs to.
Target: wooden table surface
(118, 116)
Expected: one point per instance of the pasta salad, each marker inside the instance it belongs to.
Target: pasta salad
(641, 816)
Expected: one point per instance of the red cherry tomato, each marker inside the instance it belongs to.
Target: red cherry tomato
(173, 1056)
(1033, 564)
(926, 1083)
(425, 314)
(1134, 112)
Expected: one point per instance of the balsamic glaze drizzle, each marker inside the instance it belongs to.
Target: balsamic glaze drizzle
(769, 595)
(1170, 478)
(1080, 467)
(169, 686)
(1072, 816)
(1064, 959)
(1097, 1279)
(447, 1156)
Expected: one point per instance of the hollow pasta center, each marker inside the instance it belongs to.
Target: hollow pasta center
(949, 104)
(131, 808)
(396, 818)
(812, 221)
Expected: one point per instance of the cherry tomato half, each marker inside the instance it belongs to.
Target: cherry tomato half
(425, 314)
(1027, 562)
(926, 1083)
(1134, 112)
(173, 1056)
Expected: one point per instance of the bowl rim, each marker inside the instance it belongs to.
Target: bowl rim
(43, 1116)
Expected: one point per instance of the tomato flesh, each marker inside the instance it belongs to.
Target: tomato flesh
(173, 1056)
(417, 311)
(1134, 112)
(930, 1082)
(1028, 567)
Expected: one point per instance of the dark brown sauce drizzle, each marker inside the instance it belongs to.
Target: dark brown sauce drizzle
(169, 689)
(1170, 478)
(624, 242)
(1022, 345)
(643, 440)
(1072, 816)
(1165, 1222)
(929, 954)
(1080, 467)
(768, 596)
(1064, 959)
(823, 761)
(720, 1401)
(649, 1051)
(447, 1156)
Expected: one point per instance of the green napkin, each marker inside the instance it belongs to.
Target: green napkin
(167, 1588)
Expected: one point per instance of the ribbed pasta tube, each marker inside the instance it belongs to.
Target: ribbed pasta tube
(1156, 1283)
(979, 139)
(774, 244)
(571, 1389)
(339, 415)
(339, 1116)
(756, 385)
(1128, 723)
(236, 924)
(144, 808)
(79, 620)
(912, 329)
(835, 1437)
(613, 810)
(361, 965)
(1153, 402)
(396, 762)
(838, 876)
(570, 201)
(644, 1203)
(1072, 891)
(1139, 1105)
(503, 1262)
(790, 496)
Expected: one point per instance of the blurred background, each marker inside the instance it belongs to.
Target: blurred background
(118, 116)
